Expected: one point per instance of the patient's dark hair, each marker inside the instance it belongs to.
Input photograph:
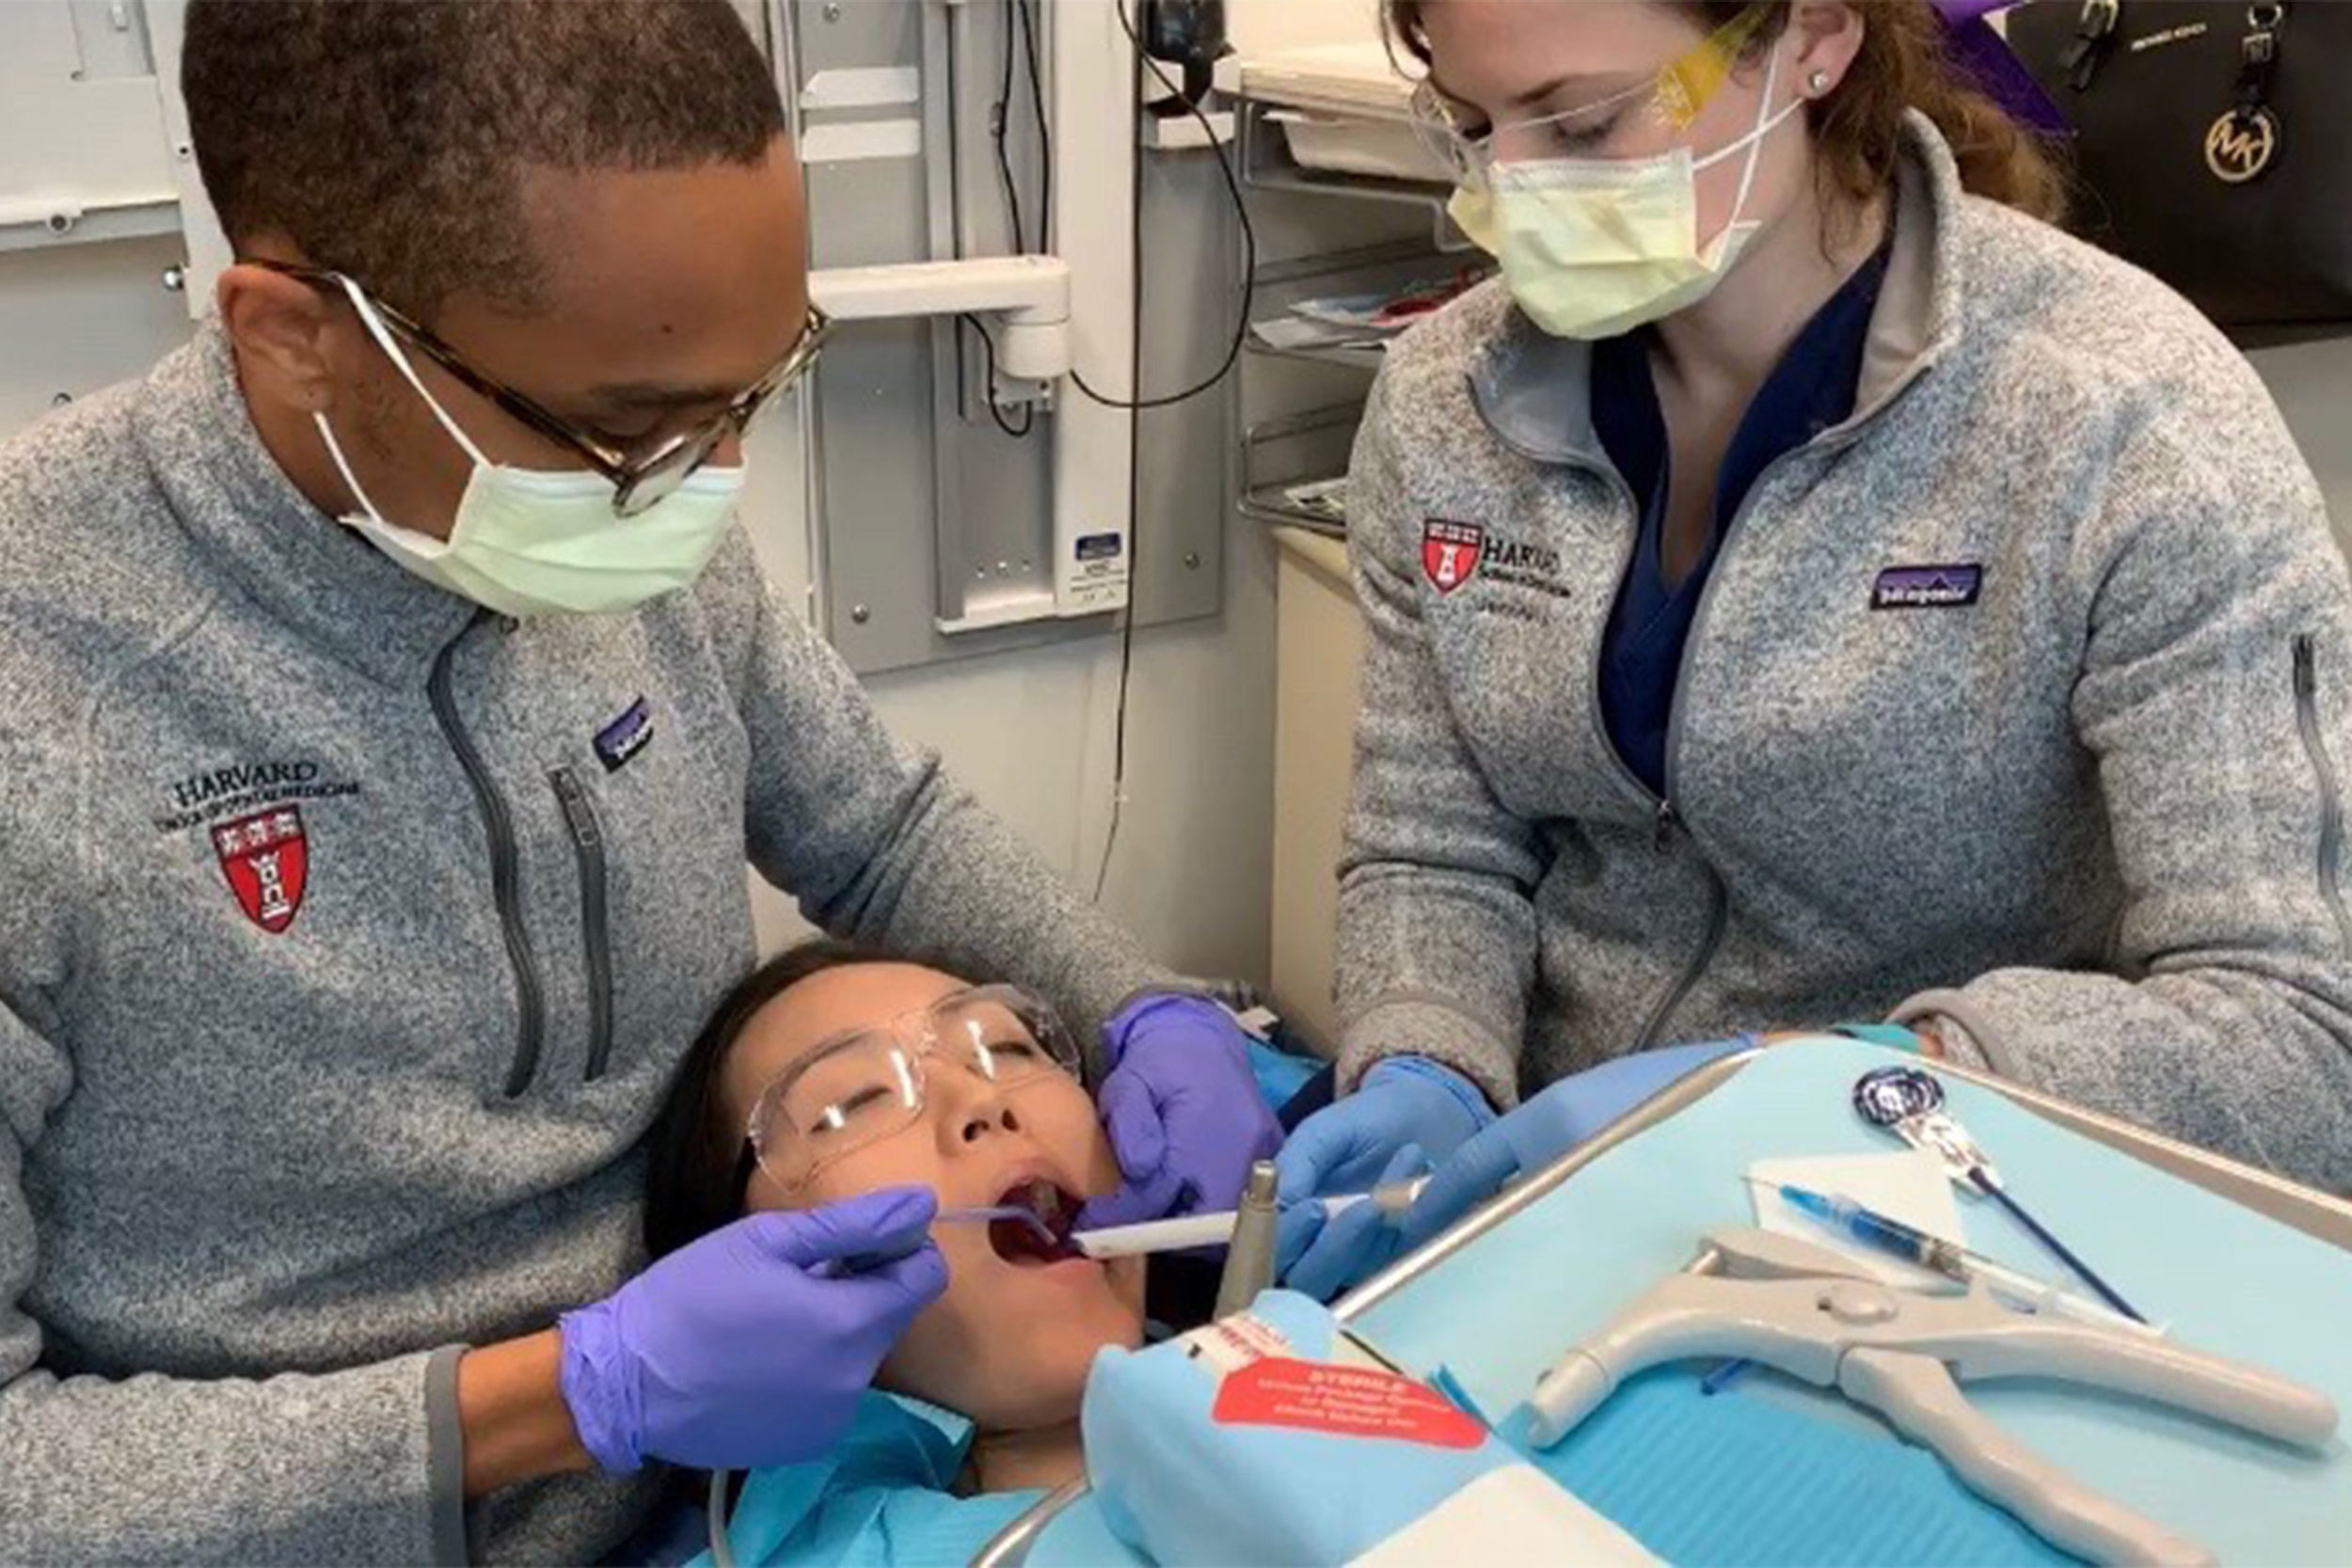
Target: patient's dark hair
(388, 139)
(698, 1160)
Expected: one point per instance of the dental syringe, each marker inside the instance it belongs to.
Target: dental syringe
(1884, 1233)
(1202, 1230)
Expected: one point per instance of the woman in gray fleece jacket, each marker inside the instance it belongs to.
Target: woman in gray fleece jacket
(1887, 608)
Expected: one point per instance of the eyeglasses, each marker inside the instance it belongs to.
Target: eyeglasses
(1676, 95)
(639, 479)
(869, 1084)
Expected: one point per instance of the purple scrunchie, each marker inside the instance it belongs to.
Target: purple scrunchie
(1981, 54)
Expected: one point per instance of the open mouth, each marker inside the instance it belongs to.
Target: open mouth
(1043, 1236)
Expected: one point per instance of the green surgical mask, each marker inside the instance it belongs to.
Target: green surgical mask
(1592, 248)
(529, 541)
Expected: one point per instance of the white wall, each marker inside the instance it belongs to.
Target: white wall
(1260, 25)
(75, 318)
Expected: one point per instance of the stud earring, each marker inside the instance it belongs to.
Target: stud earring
(1818, 83)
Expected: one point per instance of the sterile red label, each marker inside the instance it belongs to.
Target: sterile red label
(1346, 1402)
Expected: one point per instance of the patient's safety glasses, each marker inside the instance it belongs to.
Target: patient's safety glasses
(869, 1083)
(1674, 96)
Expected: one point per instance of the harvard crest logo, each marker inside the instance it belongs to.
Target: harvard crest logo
(267, 860)
(1450, 552)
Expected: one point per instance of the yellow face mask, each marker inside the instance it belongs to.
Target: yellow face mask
(1592, 248)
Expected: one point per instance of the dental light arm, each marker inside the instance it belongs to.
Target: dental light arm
(1030, 293)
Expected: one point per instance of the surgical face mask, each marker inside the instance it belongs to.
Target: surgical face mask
(1592, 248)
(527, 542)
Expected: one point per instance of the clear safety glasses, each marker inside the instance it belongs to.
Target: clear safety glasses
(867, 1085)
(1673, 97)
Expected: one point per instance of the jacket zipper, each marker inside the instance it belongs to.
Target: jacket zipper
(1668, 821)
(2330, 802)
(580, 815)
(504, 878)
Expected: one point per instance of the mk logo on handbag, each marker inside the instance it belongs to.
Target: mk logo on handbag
(2241, 145)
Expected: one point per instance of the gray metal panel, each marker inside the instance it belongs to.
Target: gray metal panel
(909, 457)
(1186, 453)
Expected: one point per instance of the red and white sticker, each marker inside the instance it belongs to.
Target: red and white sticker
(1343, 1402)
(1226, 1346)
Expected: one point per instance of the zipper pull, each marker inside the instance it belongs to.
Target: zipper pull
(1667, 823)
(2306, 674)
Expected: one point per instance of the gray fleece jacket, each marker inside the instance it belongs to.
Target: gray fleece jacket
(2019, 702)
(348, 939)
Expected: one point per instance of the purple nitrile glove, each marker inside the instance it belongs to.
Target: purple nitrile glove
(1182, 1111)
(738, 1352)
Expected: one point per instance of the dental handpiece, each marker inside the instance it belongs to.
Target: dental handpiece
(1204, 1230)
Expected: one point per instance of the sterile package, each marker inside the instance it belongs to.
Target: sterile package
(1270, 1438)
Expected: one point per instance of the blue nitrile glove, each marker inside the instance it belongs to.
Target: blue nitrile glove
(1405, 1102)
(1182, 1110)
(738, 1351)
(1320, 1256)
(1547, 1127)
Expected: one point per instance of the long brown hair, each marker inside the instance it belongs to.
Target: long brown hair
(1902, 65)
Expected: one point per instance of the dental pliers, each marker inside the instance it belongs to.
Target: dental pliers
(1820, 1316)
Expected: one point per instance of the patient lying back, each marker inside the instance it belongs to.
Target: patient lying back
(831, 1074)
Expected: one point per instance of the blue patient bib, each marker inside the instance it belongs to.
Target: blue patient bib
(880, 1500)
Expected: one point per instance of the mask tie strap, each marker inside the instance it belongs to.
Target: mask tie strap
(1768, 121)
(383, 341)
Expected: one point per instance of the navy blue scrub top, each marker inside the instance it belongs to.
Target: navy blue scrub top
(1812, 389)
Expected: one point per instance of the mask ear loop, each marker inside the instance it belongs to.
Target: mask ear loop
(383, 341)
(1768, 121)
(335, 454)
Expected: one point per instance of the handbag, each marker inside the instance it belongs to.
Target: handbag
(2216, 143)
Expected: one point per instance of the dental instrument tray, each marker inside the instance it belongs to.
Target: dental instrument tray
(2234, 1263)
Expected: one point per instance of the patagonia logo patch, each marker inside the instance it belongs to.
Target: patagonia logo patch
(1927, 586)
(625, 736)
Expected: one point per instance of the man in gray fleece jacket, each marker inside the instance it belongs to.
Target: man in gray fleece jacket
(350, 931)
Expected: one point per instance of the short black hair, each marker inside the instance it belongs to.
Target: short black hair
(388, 139)
(697, 1158)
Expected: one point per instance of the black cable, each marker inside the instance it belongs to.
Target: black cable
(1000, 128)
(1032, 24)
(1135, 455)
(988, 349)
(1240, 212)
